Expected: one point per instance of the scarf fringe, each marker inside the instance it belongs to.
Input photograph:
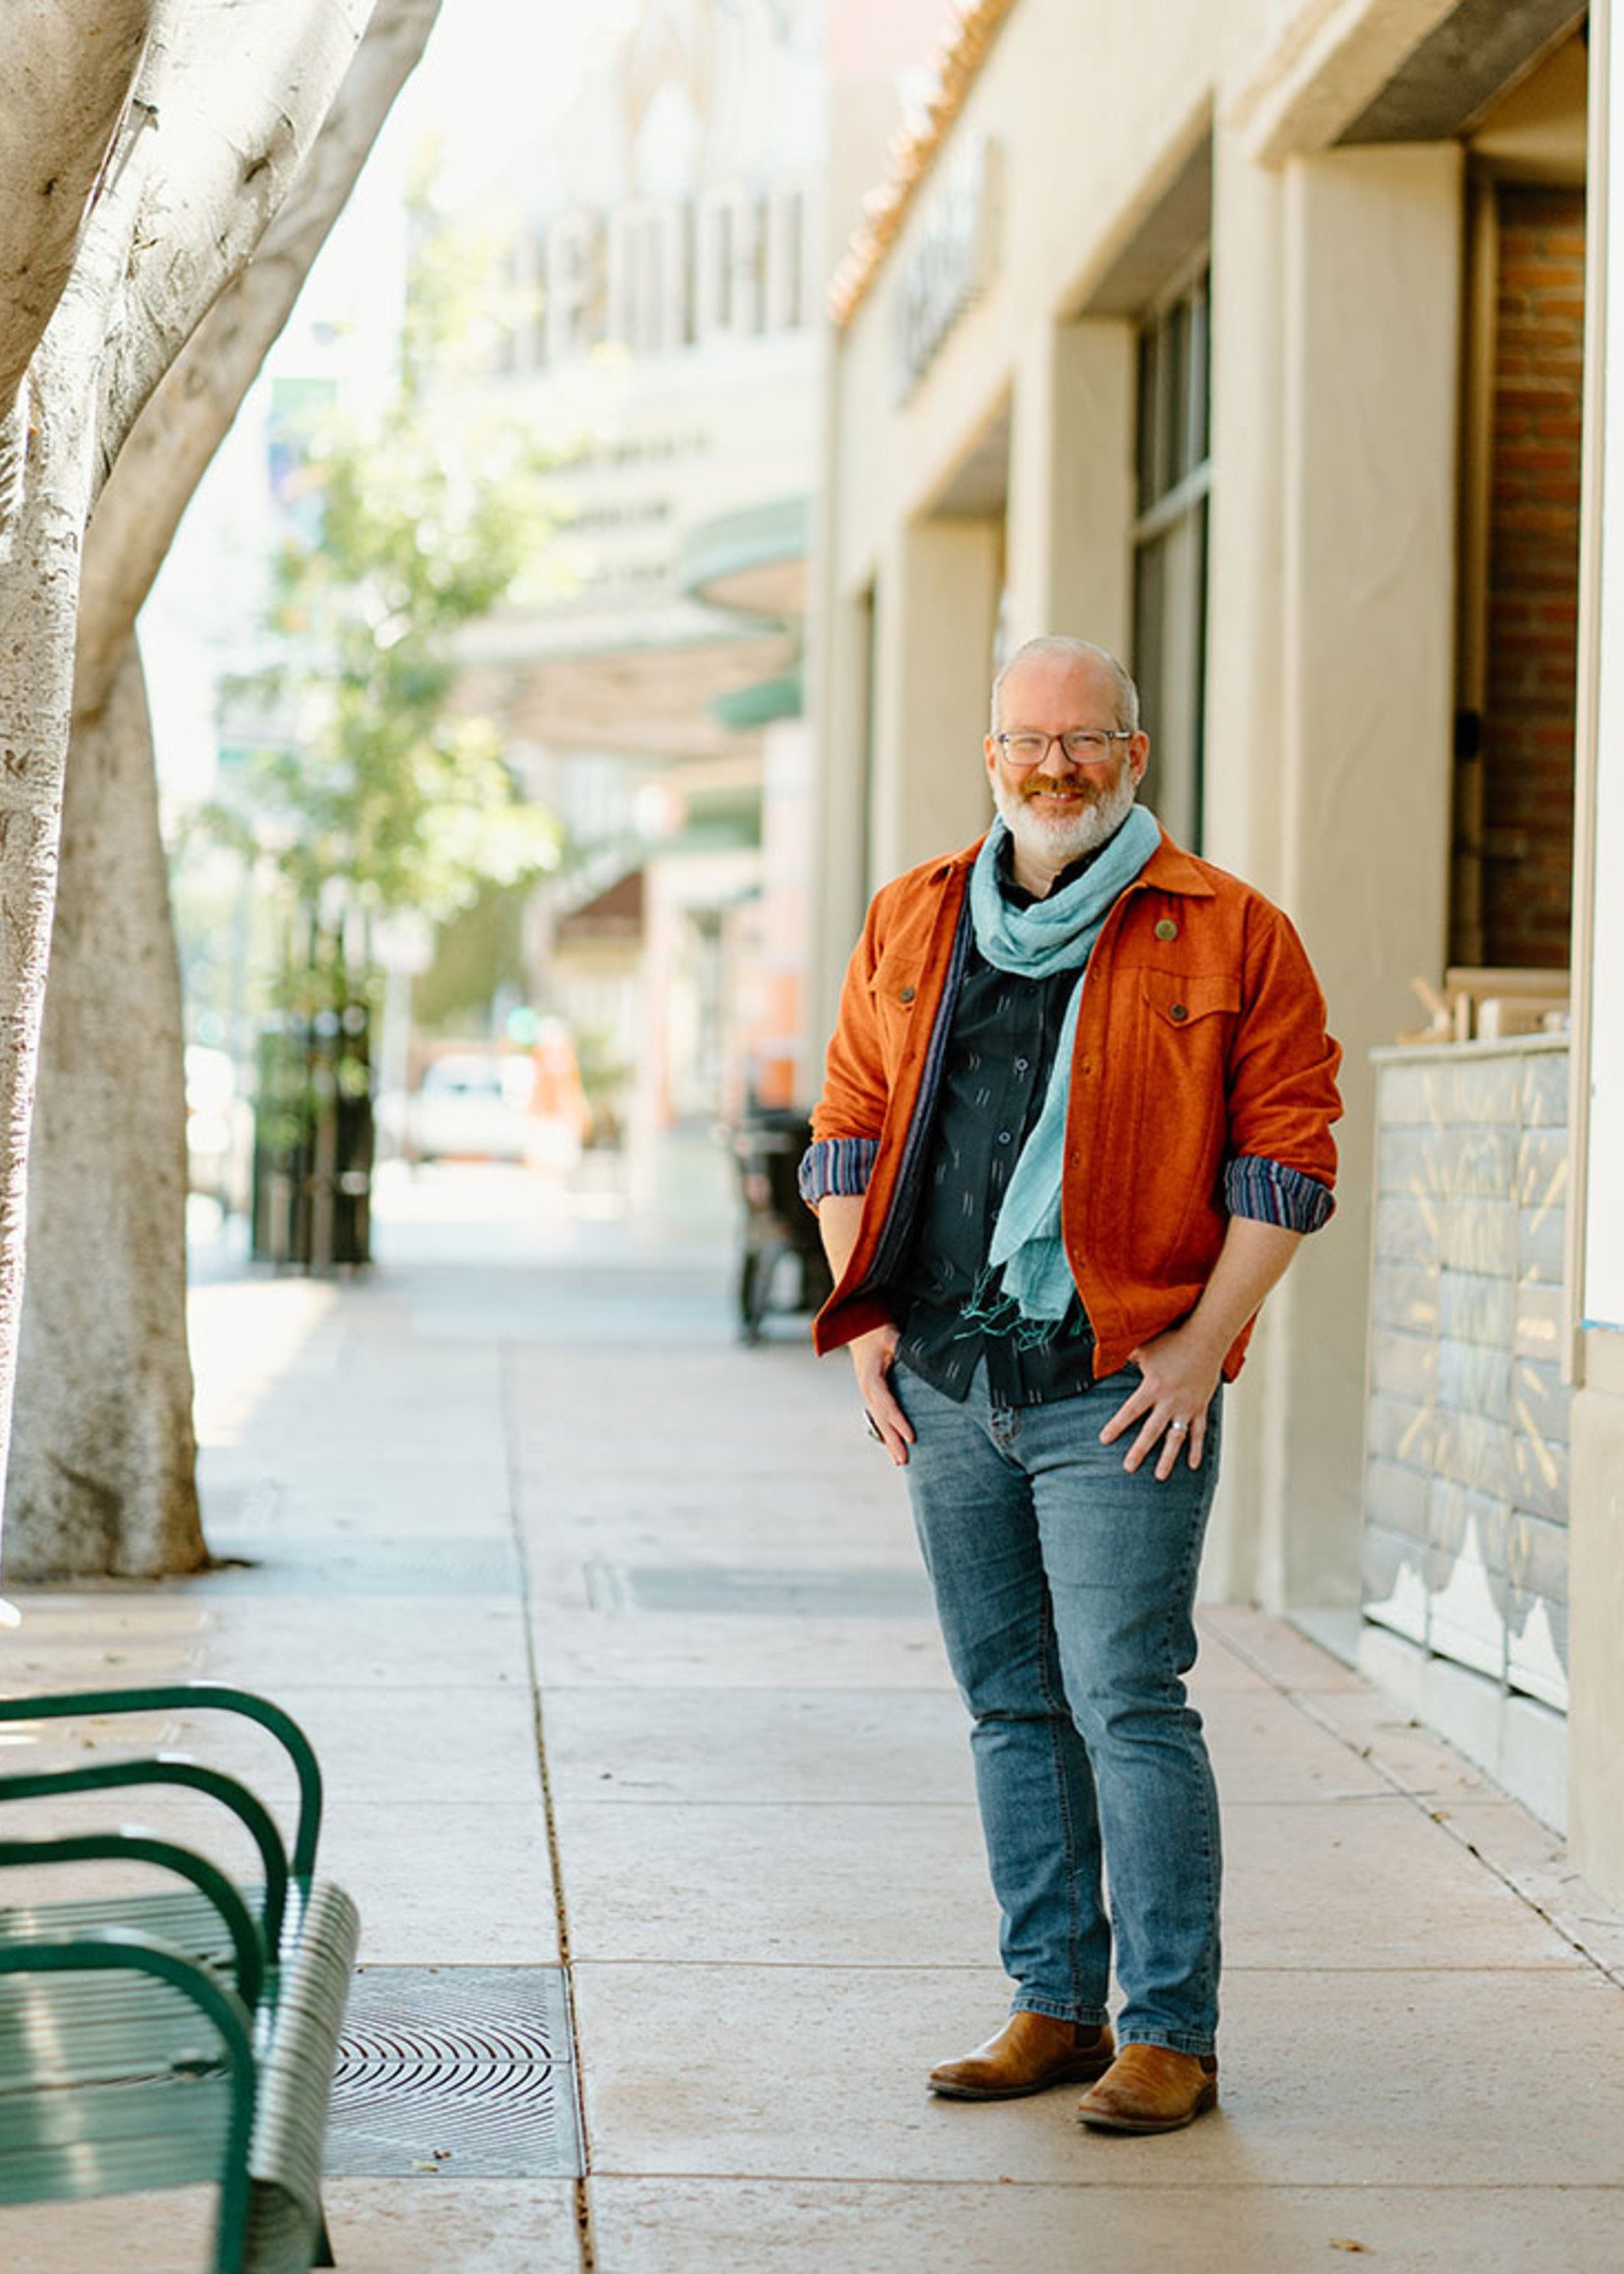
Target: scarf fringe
(993, 1311)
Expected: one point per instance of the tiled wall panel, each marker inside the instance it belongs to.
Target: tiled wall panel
(1466, 1445)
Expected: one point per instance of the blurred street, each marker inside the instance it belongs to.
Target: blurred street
(611, 1638)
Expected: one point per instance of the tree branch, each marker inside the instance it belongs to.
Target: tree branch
(68, 84)
(190, 410)
(246, 89)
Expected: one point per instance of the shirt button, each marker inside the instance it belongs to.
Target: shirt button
(1003, 1136)
(1167, 929)
(1020, 1065)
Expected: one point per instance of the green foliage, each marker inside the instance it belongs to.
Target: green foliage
(415, 527)
(479, 949)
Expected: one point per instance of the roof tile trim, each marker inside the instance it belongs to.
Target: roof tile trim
(913, 151)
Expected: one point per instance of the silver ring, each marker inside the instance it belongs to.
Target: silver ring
(1176, 1427)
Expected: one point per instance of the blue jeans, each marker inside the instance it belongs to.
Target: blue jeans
(1066, 1590)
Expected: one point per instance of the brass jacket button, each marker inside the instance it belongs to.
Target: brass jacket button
(1178, 1011)
(907, 996)
(1167, 929)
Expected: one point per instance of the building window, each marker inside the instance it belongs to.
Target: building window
(789, 308)
(1170, 549)
(732, 302)
(1512, 887)
(648, 279)
(574, 291)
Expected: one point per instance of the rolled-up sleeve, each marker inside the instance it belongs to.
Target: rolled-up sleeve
(1283, 1096)
(840, 1165)
(848, 1117)
(1270, 1192)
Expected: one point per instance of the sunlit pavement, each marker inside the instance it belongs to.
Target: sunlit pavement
(523, 1467)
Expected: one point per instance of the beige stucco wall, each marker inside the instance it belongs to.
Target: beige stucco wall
(1336, 288)
(1371, 294)
(932, 692)
(1596, 1623)
(1596, 1507)
(1094, 103)
(1070, 506)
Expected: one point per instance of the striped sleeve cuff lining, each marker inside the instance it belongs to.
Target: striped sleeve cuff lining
(841, 1165)
(1271, 1193)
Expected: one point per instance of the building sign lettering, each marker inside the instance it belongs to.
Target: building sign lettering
(954, 260)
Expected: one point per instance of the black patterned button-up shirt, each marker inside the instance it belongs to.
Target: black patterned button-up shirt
(1000, 1052)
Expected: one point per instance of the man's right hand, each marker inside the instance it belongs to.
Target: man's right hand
(873, 1355)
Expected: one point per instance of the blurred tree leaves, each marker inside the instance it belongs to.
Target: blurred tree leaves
(369, 790)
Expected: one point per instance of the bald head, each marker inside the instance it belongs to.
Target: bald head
(1056, 653)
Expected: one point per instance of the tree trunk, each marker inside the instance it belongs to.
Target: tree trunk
(153, 142)
(102, 1460)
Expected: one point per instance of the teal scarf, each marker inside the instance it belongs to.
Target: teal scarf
(1056, 934)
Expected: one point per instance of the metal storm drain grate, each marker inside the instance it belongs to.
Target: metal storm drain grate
(464, 2072)
(817, 1593)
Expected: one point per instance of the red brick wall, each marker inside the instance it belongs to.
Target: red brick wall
(1534, 577)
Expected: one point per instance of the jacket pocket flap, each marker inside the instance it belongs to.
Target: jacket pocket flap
(896, 980)
(1182, 997)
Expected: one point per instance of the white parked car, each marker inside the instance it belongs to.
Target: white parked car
(219, 1130)
(470, 1107)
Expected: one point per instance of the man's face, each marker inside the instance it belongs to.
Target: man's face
(1057, 810)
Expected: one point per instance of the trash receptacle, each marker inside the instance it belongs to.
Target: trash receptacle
(781, 1232)
(314, 1140)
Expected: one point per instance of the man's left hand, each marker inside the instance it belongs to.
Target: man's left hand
(1178, 1373)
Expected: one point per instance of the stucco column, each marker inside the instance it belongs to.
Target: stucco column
(1372, 271)
(1071, 520)
(1246, 526)
(845, 725)
(1595, 1590)
(1596, 1481)
(937, 610)
(1244, 728)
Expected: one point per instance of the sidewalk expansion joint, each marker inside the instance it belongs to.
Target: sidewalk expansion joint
(513, 1440)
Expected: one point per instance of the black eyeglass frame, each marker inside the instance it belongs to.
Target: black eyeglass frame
(1089, 736)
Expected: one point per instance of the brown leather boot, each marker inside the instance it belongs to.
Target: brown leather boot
(1031, 2052)
(1151, 2088)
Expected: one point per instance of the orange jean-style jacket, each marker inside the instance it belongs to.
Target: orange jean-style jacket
(1202, 1075)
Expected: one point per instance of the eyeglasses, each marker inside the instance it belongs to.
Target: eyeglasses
(1083, 745)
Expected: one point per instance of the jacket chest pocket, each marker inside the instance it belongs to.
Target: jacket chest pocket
(894, 989)
(1178, 1001)
(1185, 1027)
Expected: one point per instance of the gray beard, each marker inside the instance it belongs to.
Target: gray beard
(1070, 840)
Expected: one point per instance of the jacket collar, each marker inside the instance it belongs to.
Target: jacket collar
(1172, 870)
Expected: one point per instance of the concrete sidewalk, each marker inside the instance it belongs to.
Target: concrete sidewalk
(540, 1490)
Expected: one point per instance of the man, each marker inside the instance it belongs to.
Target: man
(1053, 1203)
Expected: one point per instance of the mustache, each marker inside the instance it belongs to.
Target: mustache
(1072, 784)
